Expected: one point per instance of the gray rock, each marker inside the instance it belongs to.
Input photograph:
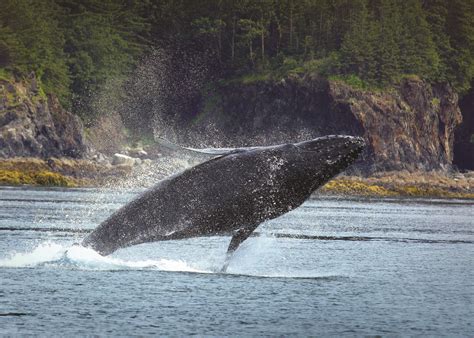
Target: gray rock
(99, 158)
(469, 174)
(35, 126)
(138, 152)
(120, 159)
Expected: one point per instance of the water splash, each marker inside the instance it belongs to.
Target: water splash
(77, 257)
(45, 252)
(259, 257)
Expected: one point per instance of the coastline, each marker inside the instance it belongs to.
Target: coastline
(58, 172)
(403, 184)
(86, 173)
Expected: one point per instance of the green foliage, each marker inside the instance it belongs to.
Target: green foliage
(76, 47)
(324, 66)
(102, 42)
(31, 40)
(253, 78)
(418, 51)
(4, 74)
(73, 48)
(358, 46)
(387, 48)
(389, 39)
(436, 102)
(436, 15)
(460, 29)
(354, 81)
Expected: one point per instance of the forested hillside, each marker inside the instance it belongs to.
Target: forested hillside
(75, 47)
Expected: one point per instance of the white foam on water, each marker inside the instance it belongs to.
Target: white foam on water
(263, 257)
(91, 260)
(255, 258)
(78, 257)
(45, 252)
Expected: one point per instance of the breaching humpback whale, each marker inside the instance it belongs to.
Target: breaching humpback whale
(231, 193)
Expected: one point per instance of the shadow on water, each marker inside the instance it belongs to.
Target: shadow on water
(275, 235)
(16, 314)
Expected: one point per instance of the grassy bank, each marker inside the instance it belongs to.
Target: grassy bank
(82, 173)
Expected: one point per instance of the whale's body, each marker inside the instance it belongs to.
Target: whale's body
(229, 194)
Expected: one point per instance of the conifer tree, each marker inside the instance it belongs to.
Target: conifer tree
(357, 50)
(102, 42)
(418, 53)
(31, 40)
(387, 49)
(460, 28)
(436, 15)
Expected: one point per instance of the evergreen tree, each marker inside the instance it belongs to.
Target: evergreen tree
(357, 50)
(436, 14)
(31, 40)
(76, 47)
(460, 29)
(418, 53)
(387, 49)
(250, 31)
(102, 42)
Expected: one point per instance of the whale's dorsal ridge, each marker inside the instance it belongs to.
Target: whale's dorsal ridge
(218, 151)
(209, 152)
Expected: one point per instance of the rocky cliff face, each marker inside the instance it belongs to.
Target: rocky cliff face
(410, 127)
(464, 137)
(33, 124)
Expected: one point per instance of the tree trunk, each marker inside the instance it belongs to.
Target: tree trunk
(320, 39)
(251, 52)
(291, 24)
(219, 46)
(233, 40)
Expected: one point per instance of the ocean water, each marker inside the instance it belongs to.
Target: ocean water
(334, 266)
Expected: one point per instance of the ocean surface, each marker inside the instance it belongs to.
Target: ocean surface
(334, 266)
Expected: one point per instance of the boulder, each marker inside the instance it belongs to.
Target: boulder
(120, 159)
(138, 152)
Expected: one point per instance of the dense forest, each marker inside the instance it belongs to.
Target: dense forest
(75, 47)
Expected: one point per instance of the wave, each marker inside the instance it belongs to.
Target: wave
(77, 257)
(357, 238)
(70, 256)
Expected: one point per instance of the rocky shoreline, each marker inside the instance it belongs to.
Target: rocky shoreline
(64, 172)
(409, 133)
(404, 184)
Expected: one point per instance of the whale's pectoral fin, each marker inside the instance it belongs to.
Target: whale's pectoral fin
(240, 236)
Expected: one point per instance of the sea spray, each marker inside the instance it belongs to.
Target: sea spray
(256, 258)
(77, 257)
(44, 252)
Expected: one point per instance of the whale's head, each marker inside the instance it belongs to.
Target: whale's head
(334, 151)
(322, 158)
